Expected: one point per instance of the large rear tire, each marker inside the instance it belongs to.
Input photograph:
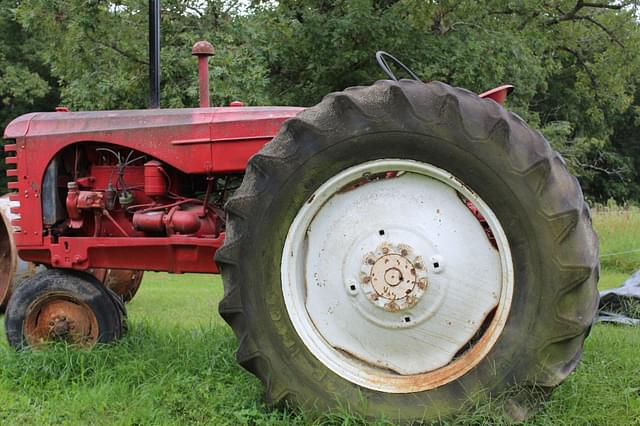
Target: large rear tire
(511, 268)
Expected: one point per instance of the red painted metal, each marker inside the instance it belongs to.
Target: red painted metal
(155, 182)
(499, 94)
(185, 221)
(186, 144)
(203, 49)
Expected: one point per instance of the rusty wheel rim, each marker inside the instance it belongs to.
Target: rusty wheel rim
(60, 317)
(393, 336)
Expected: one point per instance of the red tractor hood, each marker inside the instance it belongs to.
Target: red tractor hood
(55, 123)
(195, 140)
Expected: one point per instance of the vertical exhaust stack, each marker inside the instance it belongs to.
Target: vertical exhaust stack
(203, 49)
(154, 53)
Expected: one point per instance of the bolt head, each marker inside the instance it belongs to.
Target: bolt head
(422, 283)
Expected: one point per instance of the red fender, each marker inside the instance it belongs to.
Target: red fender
(499, 94)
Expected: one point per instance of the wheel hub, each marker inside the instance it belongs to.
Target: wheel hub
(393, 278)
(59, 326)
(55, 317)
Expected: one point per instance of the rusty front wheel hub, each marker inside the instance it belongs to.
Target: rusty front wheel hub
(60, 317)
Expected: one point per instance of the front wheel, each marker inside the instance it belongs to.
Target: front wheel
(403, 249)
(63, 305)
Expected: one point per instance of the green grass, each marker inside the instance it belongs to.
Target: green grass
(619, 232)
(176, 364)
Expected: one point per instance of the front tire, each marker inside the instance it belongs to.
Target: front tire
(521, 232)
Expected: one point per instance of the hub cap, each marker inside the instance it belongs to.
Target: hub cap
(393, 278)
(390, 280)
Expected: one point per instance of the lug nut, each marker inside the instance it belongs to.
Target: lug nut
(422, 283)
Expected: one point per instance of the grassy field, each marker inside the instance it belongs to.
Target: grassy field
(176, 365)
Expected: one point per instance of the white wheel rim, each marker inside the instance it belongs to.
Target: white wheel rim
(348, 308)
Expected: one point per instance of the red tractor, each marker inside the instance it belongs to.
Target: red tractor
(401, 249)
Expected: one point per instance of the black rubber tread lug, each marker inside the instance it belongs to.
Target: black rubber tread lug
(251, 359)
(538, 174)
(560, 359)
(231, 301)
(564, 224)
(228, 254)
(390, 102)
(338, 111)
(276, 392)
(570, 307)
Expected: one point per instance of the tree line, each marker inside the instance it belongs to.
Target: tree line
(575, 63)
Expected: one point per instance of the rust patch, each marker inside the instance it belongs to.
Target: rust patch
(368, 178)
(459, 366)
(60, 317)
(123, 282)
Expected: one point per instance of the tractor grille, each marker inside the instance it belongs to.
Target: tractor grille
(11, 159)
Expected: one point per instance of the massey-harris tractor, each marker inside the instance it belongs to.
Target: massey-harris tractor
(403, 249)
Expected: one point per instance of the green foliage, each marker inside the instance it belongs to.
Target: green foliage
(572, 62)
(575, 64)
(98, 50)
(24, 81)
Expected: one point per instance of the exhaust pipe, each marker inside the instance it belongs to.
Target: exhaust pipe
(203, 49)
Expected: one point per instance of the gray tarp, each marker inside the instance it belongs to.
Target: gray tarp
(621, 305)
